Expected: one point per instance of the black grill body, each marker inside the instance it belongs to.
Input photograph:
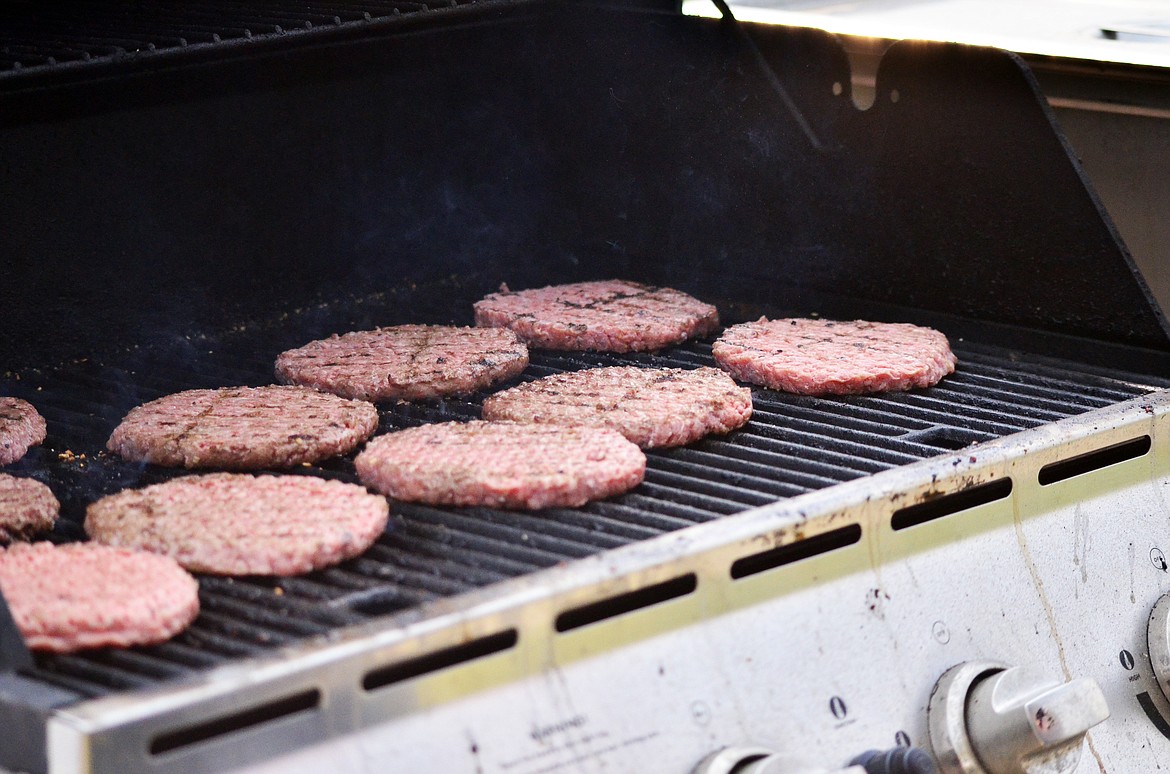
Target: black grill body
(175, 219)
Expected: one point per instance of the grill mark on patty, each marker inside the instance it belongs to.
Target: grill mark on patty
(652, 407)
(406, 362)
(21, 428)
(501, 464)
(27, 507)
(236, 523)
(608, 316)
(243, 428)
(819, 357)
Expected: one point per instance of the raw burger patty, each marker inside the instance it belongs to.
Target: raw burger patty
(243, 428)
(85, 595)
(501, 464)
(240, 524)
(21, 427)
(26, 508)
(406, 362)
(606, 316)
(649, 406)
(823, 357)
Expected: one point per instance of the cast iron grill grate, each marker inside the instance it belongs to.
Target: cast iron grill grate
(793, 444)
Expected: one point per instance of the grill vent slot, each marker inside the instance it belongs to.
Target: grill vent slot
(265, 713)
(1090, 461)
(945, 505)
(440, 659)
(626, 603)
(794, 552)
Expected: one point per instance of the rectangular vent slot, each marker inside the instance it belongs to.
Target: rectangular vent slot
(626, 603)
(239, 721)
(1084, 463)
(794, 552)
(945, 505)
(440, 659)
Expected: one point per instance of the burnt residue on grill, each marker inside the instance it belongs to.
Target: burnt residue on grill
(792, 445)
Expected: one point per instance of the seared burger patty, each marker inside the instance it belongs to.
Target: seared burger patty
(823, 357)
(650, 406)
(239, 524)
(85, 595)
(21, 428)
(605, 316)
(406, 362)
(26, 507)
(501, 464)
(243, 428)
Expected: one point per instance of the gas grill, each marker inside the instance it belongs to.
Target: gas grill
(189, 189)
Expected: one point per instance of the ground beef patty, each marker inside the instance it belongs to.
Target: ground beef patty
(84, 595)
(26, 508)
(21, 428)
(240, 524)
(606, 316)
(243, 428)
(649, 406)
(501, 464)
(823, 357)
(406, 362)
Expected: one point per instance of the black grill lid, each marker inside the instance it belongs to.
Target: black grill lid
(608, 142)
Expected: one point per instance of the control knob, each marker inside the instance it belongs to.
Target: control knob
(1158, 639)
(988, 718)
(761, 760)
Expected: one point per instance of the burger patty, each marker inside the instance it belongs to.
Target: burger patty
(823, 357)
(243, 428)
(650, 406)
(240, 524)
(406, 362)
(501, 464)
(21, 428)
(84, 595)
(26, 507)
(605, 316)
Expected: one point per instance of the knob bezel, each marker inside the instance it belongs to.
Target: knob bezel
(1158, 643)
(946, 716)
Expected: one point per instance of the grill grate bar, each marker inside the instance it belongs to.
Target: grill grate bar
(424, 584)
(394, 550)
(1021, 392)
(475, 551)
(218, 634)
(135, 663)
(681, 513)
(269, 622)
(100, 671)
(789, 455)
(667, 487)
(723, 479)
(539, 548)
(883, 452)
(603, 521)
(987, 409)
(860, 413)
(788, 477)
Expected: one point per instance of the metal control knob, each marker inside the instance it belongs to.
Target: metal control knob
(761, 760)
(1158, 639)
(988, 718)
